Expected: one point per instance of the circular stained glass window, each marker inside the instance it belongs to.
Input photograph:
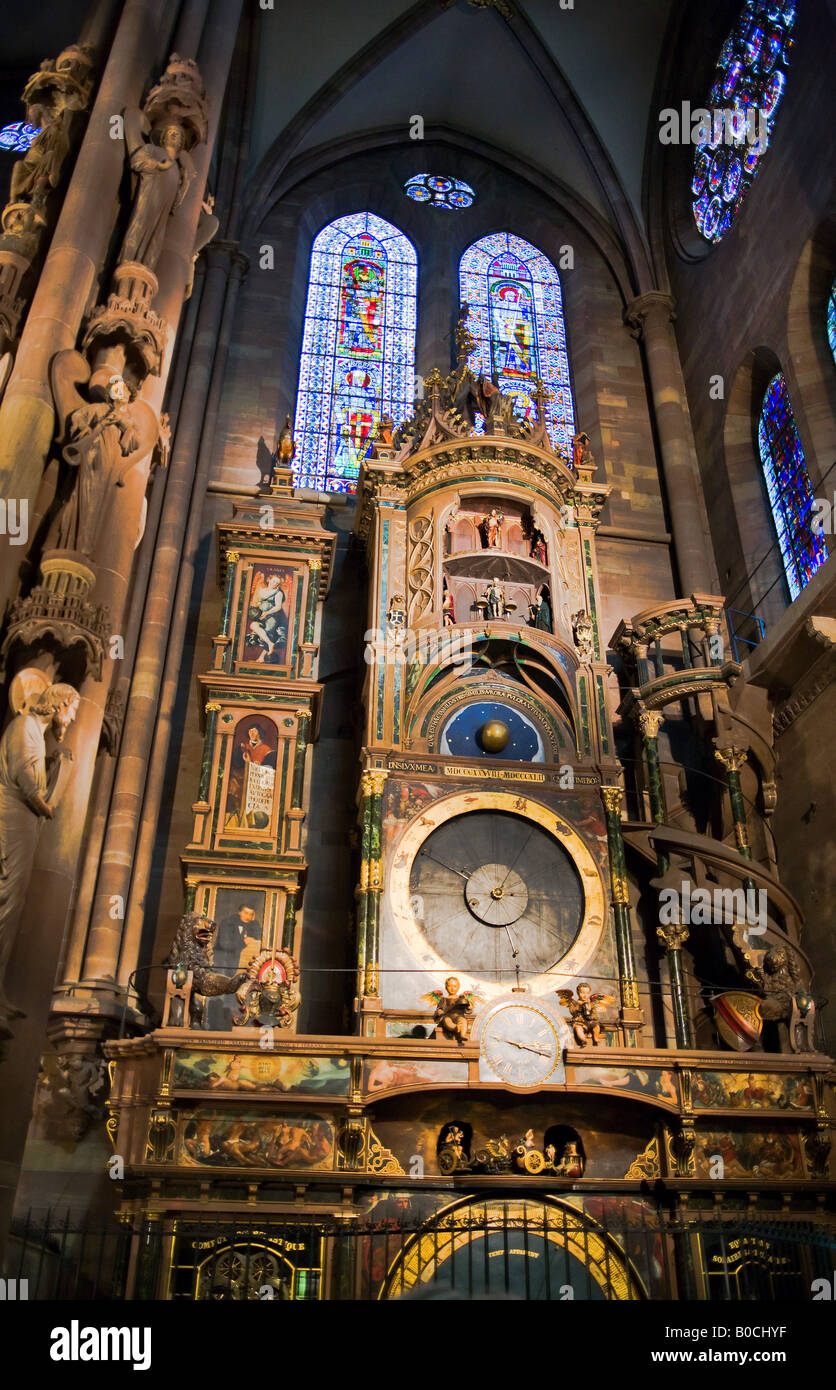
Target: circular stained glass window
(440, 191)
(749, 82)
(18, 136)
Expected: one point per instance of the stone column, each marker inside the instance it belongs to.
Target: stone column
(631, 1016)
(76, 253)
(650, 318)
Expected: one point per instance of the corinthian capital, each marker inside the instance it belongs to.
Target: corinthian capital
(650, 721)
(731, 758)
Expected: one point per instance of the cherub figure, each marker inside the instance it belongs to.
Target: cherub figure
(586, 1025)
(453, 1010)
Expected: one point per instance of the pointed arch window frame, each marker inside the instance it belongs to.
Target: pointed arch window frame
(375, 382)
(478, 268)
(789, 488)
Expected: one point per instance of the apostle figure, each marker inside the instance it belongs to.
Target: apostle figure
(581, 452)
(103, 439)
(448, 614)
(164, 170)
(30, 788)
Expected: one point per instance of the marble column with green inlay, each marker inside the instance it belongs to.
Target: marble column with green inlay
(303, 717)
(631, 1016)
(370, 878)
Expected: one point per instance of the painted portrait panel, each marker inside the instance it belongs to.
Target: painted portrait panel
(647, 1083)
(269, 606)
(389, 1073)
(254, 1139)
(251, 775)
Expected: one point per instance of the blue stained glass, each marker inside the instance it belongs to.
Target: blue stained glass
(789, 488)
(831, 319)
(439, 191)
(750, 78)
(358, 348)
(516, 317)
(18, 136)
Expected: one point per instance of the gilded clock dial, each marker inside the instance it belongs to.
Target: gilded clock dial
(520, 1045)
(489, 884)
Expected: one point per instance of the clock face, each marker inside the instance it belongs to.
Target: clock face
(520, 1045)
(488, 884)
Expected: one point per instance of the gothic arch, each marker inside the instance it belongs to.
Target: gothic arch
(811, 371)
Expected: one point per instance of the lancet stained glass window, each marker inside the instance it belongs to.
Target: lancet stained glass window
(516, 317)
(789, 487)
(358, 348)
(749, 82)
(831, 319)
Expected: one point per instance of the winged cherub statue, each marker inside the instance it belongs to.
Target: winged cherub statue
(453, 1010)
(583, 1011)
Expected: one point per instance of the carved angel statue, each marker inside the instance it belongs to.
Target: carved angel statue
(583, 1012)
(31, 785)
(453, 1010)
(52, 97)
(164, 169)
(103, 438)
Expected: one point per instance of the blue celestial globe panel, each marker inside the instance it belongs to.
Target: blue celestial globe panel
(516, 317)
(358, 348)
(749, 82)
(439, 191)
(461, 735)
(789, 487)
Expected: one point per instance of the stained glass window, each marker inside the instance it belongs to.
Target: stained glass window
(439, 192)
(358, 348)
(831, 319)
(516, 317)
(749, 82)
(789, 487)
(18, 136)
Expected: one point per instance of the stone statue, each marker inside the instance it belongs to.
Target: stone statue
(158, 140)
(103, 438)
(207, 229)
(31, 785)
(52, 97)
(583, 630)
(453, 1010)
(787, 1003)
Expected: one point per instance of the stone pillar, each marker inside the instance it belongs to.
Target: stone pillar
(650, 318)
(76, 253)
(631, 1016)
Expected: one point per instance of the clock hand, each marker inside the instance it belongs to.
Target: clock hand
(466, 877)
(526, 1047)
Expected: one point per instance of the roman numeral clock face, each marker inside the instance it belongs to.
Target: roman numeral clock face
(495, 891)
(520, 1045)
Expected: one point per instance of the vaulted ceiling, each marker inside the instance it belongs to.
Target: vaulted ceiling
(527, 77)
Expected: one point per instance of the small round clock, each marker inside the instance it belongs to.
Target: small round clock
(520, 1045)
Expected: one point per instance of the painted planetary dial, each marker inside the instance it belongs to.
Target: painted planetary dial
(493, 891)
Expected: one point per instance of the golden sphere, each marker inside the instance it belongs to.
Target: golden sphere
(494, 735)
